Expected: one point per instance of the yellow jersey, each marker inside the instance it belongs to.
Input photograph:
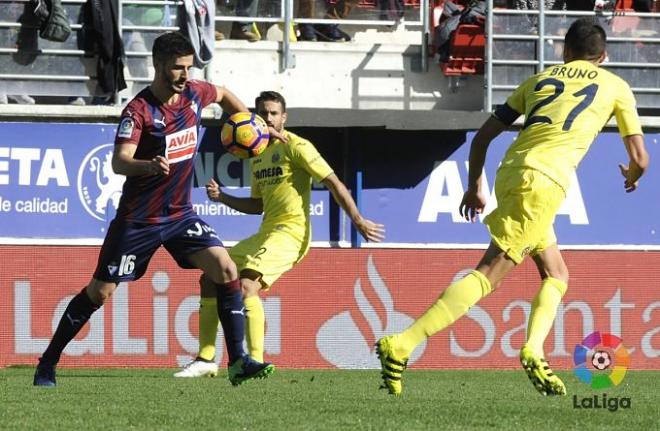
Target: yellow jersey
(282, 177)
(565, 107)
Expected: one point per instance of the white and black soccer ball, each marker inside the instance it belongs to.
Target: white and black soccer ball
(601, 360)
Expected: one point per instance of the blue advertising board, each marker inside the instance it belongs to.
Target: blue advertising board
(57, 187)
(597, 213)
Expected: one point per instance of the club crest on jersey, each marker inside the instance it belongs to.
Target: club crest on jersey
(276, 157)
(112, 269)
(181, 145)
(126, 128)
(99, 187)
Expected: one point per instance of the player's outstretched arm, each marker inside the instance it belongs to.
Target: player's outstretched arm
(123, 162)
(371, 231)
(229, 102)
(244, 205)
(474, 201)
(639, 161)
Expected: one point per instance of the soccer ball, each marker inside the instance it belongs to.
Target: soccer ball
(601, 360)
(245, 135)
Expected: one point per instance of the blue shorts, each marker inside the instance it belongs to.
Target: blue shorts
(128, 247)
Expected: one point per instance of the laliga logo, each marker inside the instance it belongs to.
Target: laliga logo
(97, 182)
(601, 352)
(341, 342)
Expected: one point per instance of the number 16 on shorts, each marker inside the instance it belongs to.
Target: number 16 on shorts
(127, 264)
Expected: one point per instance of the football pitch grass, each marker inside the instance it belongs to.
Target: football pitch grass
(150, 399)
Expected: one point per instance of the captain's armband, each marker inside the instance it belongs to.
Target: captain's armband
(506, 114)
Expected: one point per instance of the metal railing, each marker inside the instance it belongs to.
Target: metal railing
(519, 43)
(65, 69)
(522, 42)
(36, 66)
(373, 17)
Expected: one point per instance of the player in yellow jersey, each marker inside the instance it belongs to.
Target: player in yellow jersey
(281, 190)
(565, 107)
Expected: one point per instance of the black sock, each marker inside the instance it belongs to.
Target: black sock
(231, 312)
(75, 316)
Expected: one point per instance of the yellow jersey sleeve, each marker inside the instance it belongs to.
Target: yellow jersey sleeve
(304, 154)
(516, 100)
(625, 111)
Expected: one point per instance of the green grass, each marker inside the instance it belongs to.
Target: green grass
(119, 399)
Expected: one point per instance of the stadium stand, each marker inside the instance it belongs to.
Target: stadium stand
(502, 49)
(466, 55)
(459, 36)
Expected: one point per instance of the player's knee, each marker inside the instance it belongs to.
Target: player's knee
(559, 273)
(250, 287)
(99, 293)
(224, 272)
(229, 270)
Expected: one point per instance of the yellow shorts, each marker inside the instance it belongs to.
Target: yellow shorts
(269, 253)
(527, 201)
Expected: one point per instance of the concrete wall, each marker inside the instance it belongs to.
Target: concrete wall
(357, 75)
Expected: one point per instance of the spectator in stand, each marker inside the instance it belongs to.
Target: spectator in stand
(245, 30)
(643, 5)
(325, 32)
(637, 5)
(25, 40)
(21, 99)
(580, 4)
(242, 30)
(532, 20)
(553, 26)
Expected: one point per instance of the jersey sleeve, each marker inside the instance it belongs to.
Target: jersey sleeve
(304, 154)
(625, 111)
(514, 107)
(130, 126)
(516, 101)
(205, 90)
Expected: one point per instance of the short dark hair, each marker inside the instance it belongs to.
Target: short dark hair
(586, 39)
(171, 45)
(270, 96)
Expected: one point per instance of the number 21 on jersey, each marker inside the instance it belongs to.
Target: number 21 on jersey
(583, 98)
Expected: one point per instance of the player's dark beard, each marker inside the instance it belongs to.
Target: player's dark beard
(279, 129)
(177, 86)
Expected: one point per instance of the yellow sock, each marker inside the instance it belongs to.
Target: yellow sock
(255, 322)
(454, 302)
(544, 309)
(208, 327)
(255, 29)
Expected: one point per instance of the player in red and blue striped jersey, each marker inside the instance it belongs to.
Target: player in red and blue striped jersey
(156, 142)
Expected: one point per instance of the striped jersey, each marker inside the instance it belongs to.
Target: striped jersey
(171, 131)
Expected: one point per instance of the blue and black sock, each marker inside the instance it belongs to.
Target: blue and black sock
(77, 313)
(231, 312)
